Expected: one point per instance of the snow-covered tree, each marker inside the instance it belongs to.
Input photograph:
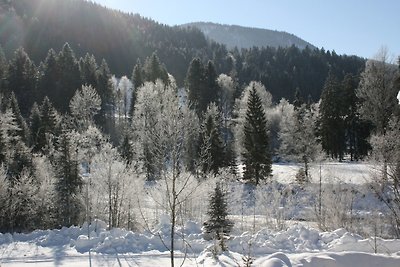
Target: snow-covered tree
(297, 136)
(377, 91)
(84, 105)
(124, 92)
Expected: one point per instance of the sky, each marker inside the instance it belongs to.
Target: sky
(352, 27)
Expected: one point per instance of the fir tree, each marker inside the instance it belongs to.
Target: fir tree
(49, 78)
(332, 111)
(257, 156)
(22, 80)
(211, 143)
(195, 84)
(105, 117)
(69, 182)
(218, 226)
(88, 68)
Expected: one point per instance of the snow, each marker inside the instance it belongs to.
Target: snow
(298, 245)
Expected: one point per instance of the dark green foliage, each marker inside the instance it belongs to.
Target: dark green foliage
(153, 70)
(126, 149)
(137, 80)
(50, 74)
(22, 80)
(332, 112)
(195, 84)
(257, 155)
(3, 71)
(341, 128)
(211, 145)
(23, 131)
(218, 224)
(35, 123)
(69, 182)
(49, 125)
(105, 118)
(69, 79)
(88, 69)
(202, 85)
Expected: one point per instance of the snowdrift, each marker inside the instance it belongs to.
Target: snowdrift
(297, 245)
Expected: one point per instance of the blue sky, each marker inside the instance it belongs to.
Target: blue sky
(352, 27)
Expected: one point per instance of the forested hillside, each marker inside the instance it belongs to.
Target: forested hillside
(244, 37)
(121, 39)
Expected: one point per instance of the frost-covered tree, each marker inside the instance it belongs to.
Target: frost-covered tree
(84, 105)
(256, 155)
(124, 92)
(165, 129)
(297, 136)
(377, 91)
(218, 226)
(110, 183)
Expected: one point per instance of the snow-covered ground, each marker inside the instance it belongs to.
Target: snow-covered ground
(297, 244)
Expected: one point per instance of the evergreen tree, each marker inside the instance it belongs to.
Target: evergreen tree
(22, 80)
(126, 148)
(211, 143)
(70, 78)
(332, 112)
(3, 72)
(69, 182)
(35, 123)
(218, 226)
(88, 69)
(105, 117)
(154, 70)
(195, 85)
(212, 91)
(137, 80)
(49, 124)
(257, 156)
(49, 79)
(23, 130)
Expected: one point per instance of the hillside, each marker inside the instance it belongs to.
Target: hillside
(245, 37)
(121, 39)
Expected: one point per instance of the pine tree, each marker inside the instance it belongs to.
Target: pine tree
(22, 80)
(137, 80)
(154, 70)
(34, 125)
(195, 84)
(3, 72)
(23, 130)
(69, 182)
(332, 112)
(49, 124)
(257, 156)
(105, 117)
(88, 69)
(70, 78)
(218, 226)
(48, 82)
(211, 143)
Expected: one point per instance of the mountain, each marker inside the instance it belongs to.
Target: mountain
(123, 38)
(245, 37)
